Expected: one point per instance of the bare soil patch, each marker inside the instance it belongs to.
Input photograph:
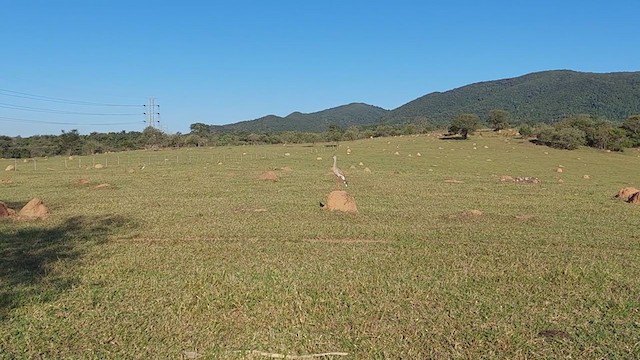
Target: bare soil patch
(83, 181)
(524, 217)
(268, 176)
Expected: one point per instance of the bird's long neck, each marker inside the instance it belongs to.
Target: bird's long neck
(334, 162)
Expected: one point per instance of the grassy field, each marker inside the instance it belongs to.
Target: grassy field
(187, 255)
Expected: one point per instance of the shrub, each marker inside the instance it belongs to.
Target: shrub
(564, 138)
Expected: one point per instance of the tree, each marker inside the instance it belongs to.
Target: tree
(465, 124)
(581, 121)
(70, 142)
(152, 137)
(499, 119)
(632, 127)
(200, 129)
(334, 132)
(606, 135)
(568, 138)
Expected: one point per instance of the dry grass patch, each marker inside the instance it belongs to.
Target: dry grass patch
(525, 217)
(346, 241)
(468, 214)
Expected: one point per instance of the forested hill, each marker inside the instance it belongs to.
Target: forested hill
(539, 97)
(343, 116)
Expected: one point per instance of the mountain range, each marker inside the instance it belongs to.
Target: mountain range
(546, 96)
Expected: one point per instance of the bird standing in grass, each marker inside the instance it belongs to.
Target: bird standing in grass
(339, 174)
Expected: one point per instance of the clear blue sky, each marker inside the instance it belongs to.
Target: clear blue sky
(220, 62)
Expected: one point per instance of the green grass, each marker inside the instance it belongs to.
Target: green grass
(189, 256)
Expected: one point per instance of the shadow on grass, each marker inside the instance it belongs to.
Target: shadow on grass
(37, 262)
(452, 137)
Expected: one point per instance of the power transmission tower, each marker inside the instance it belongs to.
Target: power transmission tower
(153, 113)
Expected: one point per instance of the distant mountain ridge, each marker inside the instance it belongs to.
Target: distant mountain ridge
(539, 97)
(545, 96)
(343, 116)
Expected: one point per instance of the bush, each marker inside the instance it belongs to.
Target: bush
(564, 138)
(525, 130)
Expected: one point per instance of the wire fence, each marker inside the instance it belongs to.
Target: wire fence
(162, 158)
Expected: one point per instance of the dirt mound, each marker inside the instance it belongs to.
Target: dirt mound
(626, 193)
(102, 186)
(341, 201)
(83, 181)
(6, 181)
(635, 198)
(5, 211)
(286, 169)
(34, 209)
(268, 176)
(505, 178)
(98, 166)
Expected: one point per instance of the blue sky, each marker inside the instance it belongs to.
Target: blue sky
(220, 62)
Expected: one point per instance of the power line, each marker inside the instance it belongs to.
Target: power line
(24, 95)
(10, 119)
(53, 111)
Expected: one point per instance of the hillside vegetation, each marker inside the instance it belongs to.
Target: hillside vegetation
(547, 96)
(342, 116)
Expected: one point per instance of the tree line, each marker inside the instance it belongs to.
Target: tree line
(569, 133)
(201, 135)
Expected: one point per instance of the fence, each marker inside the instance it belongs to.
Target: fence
(162, 158)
